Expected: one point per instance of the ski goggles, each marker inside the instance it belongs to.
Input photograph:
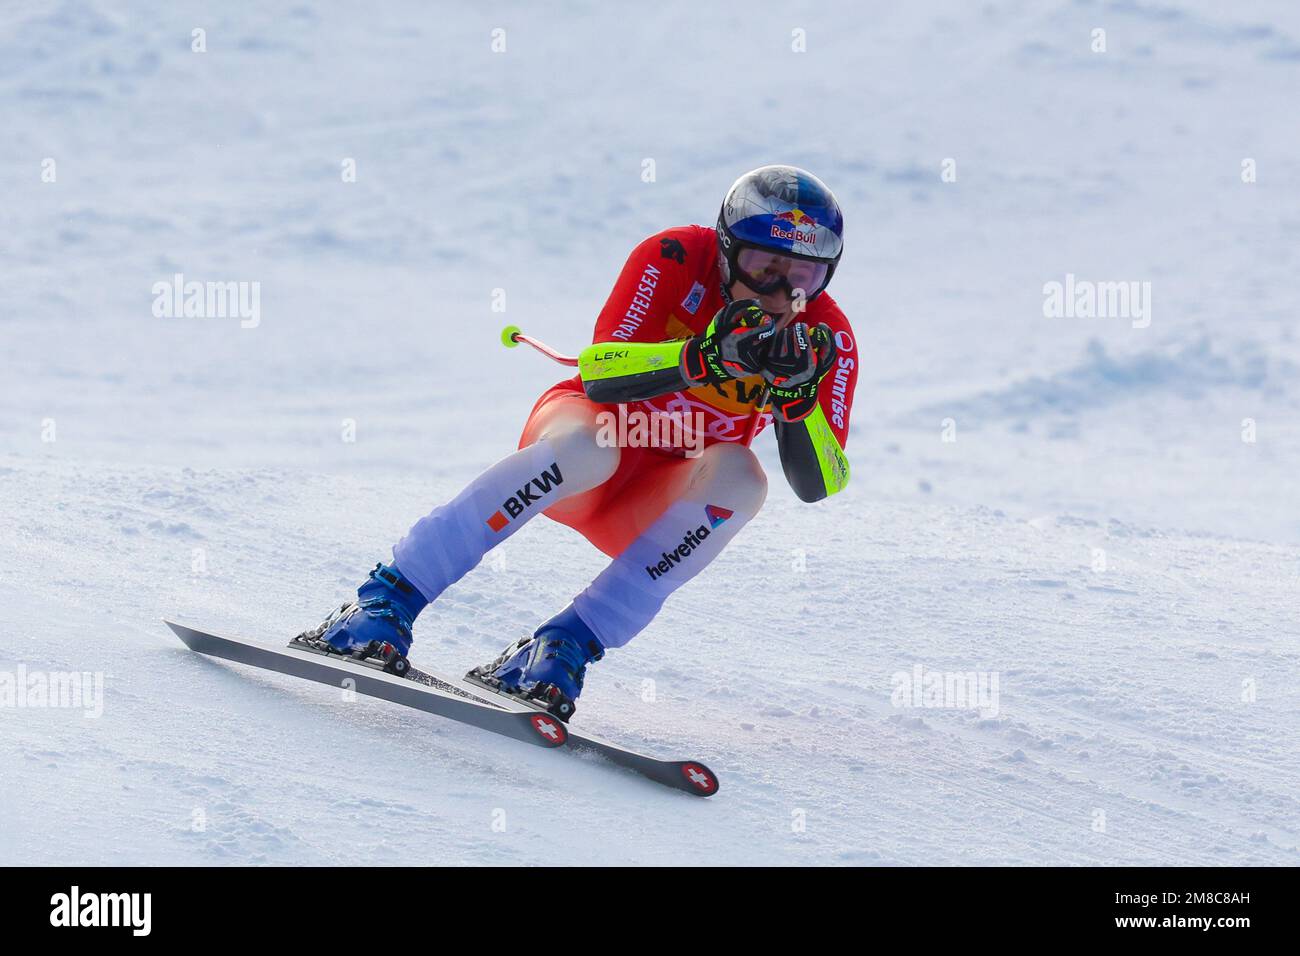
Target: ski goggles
(766, 271)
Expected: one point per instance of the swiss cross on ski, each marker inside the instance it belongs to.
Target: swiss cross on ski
(549, 729)
(700, 777)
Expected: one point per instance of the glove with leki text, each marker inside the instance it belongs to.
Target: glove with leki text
(796, 360)
(731, 347)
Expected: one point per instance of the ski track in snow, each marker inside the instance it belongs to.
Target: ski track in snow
(1123, 691)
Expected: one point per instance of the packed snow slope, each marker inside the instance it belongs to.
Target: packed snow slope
(1113, 535)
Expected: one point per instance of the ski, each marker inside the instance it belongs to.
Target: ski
(434, 696)
(458, 699)
(691, 776)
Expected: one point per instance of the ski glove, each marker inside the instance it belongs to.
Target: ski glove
(796, 361)
(731, 347)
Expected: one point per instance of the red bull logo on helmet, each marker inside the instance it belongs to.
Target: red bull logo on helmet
(796, 216)
(800, 229)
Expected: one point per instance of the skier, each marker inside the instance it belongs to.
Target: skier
(661, 514)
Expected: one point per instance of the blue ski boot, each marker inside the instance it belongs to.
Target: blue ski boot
(548, 667)
(376, 625)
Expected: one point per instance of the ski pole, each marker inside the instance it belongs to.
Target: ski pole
(755, 419)
(512, 335)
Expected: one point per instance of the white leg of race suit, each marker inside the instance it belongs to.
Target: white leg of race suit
(726, 491)
(447, 543)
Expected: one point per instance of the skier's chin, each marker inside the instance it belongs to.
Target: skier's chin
(777, 304)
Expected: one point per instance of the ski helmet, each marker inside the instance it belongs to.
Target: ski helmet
(779, 227)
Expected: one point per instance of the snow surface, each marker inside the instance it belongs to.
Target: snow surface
(1148, 713)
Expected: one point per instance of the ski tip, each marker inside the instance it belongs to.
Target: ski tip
(549, 730)
(180, 630)
(698, 779)
(189, 637)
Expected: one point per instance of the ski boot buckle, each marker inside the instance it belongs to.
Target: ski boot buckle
(556, 702)
(394, 661)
